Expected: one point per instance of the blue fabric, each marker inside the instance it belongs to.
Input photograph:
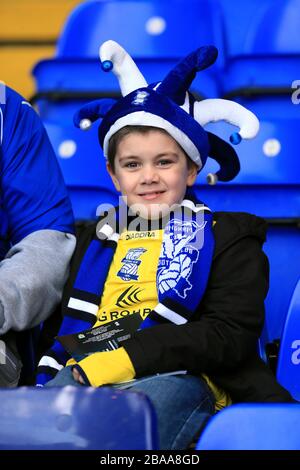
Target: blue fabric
(93, 112)
(100, 257)
(33, 194)
(183, 404)
(179, 80)
(186, 296)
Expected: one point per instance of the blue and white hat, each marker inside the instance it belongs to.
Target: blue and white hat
(168, 105)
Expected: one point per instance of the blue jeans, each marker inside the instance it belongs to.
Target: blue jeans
(183, 404)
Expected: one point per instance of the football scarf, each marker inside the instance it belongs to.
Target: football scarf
(182, 274)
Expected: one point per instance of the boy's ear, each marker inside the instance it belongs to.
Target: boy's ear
(113, 176)
(192, 174)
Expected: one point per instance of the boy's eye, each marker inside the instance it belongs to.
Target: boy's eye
(165, 161)
(131, 165)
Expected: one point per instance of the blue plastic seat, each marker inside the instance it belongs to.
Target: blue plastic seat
(253, 427)
(280, 206)
(157, 34)
(288, 369)
(268, 187)
(283, 244)
(261, 27)
(62, 79)
(269, 181)
(278, 30)
(83, 167)
(239, 23)
(74, 418)
(160, 29)
(265, 53)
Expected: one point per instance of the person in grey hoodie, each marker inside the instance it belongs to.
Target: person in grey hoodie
(36, 227)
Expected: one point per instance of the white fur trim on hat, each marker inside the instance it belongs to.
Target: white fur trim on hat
(142, 118)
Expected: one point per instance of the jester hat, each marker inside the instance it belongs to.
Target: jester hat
(169, 105)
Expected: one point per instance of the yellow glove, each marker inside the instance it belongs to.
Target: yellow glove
(106, 368)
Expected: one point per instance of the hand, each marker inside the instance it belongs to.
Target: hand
(77, 377)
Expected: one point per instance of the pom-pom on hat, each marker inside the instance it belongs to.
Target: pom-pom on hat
(168, 105)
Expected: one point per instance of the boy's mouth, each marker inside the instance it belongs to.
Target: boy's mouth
(151, 195)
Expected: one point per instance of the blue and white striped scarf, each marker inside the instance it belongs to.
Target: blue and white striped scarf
(182, 275)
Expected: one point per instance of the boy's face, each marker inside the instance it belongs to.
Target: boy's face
(152, 171)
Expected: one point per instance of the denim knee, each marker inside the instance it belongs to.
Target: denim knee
(183, 404)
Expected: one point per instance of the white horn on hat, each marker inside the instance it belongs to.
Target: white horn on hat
(114, 57)
(213, 110)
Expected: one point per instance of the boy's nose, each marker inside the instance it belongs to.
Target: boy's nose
(149, 175)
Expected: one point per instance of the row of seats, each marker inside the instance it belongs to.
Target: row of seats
(74, 418)
(258, 77)
(253, 427)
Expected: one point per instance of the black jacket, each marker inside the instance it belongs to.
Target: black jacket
(221, 340)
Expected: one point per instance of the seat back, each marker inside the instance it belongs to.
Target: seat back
(152, 28)
(76, 418)
(253, 427)
(61, 79)
(261, 27)
(280, 206)
(240, 23)
(282, 247)
(84, 169)
(288, 369)
(278, 29)
(265, 60)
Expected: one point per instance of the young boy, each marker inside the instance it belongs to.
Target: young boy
(197, 281)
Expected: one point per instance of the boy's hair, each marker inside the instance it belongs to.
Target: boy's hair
(119, 135)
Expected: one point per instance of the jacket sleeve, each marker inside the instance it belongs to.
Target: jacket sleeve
(33, 193)
(228, 324)
(38, 219)
(32, 278)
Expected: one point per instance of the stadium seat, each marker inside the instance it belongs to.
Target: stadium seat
(278, 30)
(268, 186)
(259, 72)
(147, 28)
(75, 418)
(282, 247)
(61, 79)
(288, 369)
(83, 166)
(156, 34)
(266, 57)
(239, 23)
(253, 427)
